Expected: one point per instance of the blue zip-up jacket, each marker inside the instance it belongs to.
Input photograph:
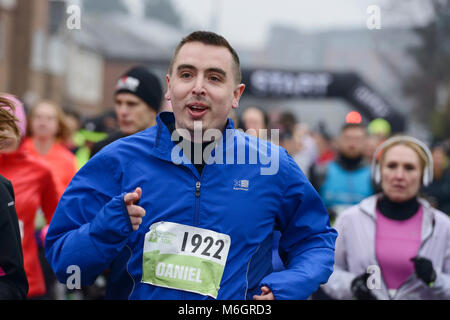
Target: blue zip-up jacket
(91, 228)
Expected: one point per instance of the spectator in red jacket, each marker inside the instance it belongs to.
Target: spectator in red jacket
(13, 281)
(48, 131)
(34, 188)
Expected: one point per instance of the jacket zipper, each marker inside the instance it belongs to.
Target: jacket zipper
(197, 188)
(197, 201)
(198, 185)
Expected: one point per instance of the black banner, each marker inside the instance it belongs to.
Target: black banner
(269, 83)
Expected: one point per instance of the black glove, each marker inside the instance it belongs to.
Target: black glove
(359, 288)
(424, 270)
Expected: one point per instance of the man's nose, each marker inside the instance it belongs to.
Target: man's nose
(199, 87)
(121, 109)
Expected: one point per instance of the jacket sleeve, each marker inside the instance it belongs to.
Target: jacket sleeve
(91, 224)
(13, 281)
(307, 240)
(49, 196)
(338, 286)
(441, 286)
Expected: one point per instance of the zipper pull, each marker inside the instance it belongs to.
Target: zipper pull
(197, 189)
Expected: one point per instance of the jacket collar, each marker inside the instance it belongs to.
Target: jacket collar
(163, 140)
(368, 206)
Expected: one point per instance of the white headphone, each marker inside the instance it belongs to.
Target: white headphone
(427, 171)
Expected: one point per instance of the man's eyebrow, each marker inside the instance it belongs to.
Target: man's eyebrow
(217, 70)
(185, 66)
(191, 67)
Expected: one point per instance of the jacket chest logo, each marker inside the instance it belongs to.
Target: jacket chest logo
(242, 185)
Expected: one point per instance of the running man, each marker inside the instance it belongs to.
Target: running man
(196, 228)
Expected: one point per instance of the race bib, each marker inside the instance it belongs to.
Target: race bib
(185, 258)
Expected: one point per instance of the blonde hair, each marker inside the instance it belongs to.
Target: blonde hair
(7, 118)
(63, 130)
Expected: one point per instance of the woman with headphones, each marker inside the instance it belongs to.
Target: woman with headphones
(393, 245)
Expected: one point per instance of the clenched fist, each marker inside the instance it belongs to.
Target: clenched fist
(266, 294)
(135, 212)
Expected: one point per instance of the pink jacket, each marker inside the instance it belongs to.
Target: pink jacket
(355, 252)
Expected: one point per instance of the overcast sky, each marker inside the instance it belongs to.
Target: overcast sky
(246, 22)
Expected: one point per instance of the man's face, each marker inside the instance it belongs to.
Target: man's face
(133, 113)
(439, 158)
(253, 119)
(351, 142)
(201, 86)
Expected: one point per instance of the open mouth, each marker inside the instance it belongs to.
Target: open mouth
(197, 110)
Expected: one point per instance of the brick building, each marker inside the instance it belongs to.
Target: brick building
(41, 57)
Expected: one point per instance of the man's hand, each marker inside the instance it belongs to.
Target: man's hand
(266, 294)
(135, 212)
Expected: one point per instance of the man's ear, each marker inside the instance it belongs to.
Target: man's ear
(167, 94)
(237, 93)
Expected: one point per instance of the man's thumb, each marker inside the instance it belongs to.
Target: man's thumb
(138, 190)
(265, 290)
(133, 197)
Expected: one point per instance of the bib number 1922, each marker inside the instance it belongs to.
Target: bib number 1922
(207, 245)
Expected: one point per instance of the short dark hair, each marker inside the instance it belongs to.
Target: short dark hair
(212, 39)
(352, 126)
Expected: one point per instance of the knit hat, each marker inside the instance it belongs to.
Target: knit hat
(142, 83)
(379, 126)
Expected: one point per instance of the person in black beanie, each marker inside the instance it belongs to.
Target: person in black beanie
(137, 101)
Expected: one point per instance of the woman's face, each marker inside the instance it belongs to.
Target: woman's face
(44, 122)
(401, 173)
(11, 141)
